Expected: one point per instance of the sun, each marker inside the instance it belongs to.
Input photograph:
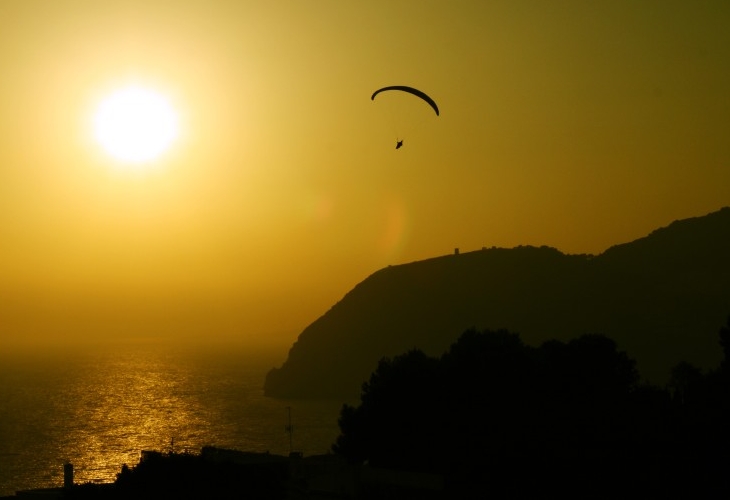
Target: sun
(135, 125)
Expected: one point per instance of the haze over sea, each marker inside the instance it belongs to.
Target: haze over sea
(98, 409)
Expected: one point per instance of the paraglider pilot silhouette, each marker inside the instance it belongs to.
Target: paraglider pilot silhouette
(410, 90)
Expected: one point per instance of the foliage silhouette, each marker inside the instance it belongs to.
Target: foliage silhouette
(495, 415)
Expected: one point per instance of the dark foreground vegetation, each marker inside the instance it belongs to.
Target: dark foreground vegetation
(494, 416)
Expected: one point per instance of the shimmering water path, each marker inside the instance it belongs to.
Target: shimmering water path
(100, 410)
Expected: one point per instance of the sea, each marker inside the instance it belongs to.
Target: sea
(99, 409)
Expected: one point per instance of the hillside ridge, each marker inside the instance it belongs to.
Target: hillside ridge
(661, 297)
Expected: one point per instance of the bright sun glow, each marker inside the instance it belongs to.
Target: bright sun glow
(135, 125)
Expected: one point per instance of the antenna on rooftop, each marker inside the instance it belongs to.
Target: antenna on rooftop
(290, 430)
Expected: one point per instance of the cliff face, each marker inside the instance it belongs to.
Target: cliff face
(663, 298)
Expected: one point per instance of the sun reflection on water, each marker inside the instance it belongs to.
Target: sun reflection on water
(99, 412)
(129, 403)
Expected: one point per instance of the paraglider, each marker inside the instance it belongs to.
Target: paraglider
(410, 90)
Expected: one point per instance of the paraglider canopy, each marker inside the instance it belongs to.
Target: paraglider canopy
(410, 90)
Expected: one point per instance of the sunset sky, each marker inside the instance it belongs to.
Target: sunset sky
(574, 124)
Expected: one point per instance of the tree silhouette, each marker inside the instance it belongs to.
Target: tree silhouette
(491, 403)
(496, 416)
(394, 423)
(684, 382)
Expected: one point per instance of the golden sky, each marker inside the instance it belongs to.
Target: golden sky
(573, 124)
